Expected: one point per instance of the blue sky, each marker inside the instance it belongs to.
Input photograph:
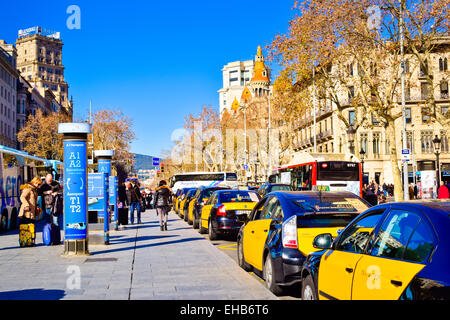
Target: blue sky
(155, 60)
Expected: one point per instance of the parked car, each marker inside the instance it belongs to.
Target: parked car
(201, 197)
(277, 237)
(181, 201)
(185, 203)
(391, 251)
(226, 211)
(269, 187)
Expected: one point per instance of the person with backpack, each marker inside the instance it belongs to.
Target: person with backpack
(49, 190)
(133, 199)
(162, 200)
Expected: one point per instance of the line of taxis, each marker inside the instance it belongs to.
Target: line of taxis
(334, 244)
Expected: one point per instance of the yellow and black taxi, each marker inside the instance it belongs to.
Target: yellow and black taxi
(181, 200)
(392, 251)
(184, 206)
(226, 211)
(201, 197)
(176, 200)
(278, 235)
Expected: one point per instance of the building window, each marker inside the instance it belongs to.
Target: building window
(364, 143)
(388, 148)
(443, 64)
(351, 117)
(406, 66)
(423, 69)
(409, 140)
(444, 89)
(444, 110)
(351, 94)
(426, 139)
(444, 142)
(426, 115)
(424, 90)
(374, 120)
(233, 77)
(376, 143)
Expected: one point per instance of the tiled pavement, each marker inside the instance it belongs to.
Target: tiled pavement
(148, 264)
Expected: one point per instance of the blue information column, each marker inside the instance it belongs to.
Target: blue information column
(75, 187)
(113, 199)
(104, 166)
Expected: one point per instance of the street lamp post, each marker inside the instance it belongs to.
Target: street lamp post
(362, 153)
(437, 151)
(351, 138)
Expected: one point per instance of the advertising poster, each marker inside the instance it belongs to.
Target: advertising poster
(75, 197)
(96, 191)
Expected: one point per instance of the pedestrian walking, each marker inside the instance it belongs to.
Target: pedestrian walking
(162, 200)
(49, 190)
(133, 199)
(443, 192)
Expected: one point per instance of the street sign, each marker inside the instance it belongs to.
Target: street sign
(245, 167)
(406, 155)
(156, 162)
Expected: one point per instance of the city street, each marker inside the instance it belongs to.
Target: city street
(140, 263)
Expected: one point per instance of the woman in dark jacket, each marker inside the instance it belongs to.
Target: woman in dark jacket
(162, 199)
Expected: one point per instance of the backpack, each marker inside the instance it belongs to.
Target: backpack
(58, 205)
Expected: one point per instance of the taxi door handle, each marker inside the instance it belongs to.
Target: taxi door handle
(396, 283)
(266, 230)
(349, 270)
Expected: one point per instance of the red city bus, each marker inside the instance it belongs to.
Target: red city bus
(326, 172)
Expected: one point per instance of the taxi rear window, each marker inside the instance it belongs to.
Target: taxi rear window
(238, 196)
(329, 204)
(324, 220)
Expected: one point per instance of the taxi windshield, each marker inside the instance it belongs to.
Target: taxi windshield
(208, 192)
(281, 188)
(238, 196)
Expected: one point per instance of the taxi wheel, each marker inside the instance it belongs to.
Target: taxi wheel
(269, 277)
(240, 255)
(185, 216)
(212, 234)
(195, 224)
(201, 230)
(309, 289)
(190, 222)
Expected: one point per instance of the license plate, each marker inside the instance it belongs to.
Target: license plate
(242, 212)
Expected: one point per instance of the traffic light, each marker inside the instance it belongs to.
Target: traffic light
(162, 167)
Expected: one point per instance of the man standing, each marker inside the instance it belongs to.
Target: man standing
(133, 201)
(48, 191)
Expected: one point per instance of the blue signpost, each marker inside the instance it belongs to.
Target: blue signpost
(113, 198)
(104, 166)
(75, 187)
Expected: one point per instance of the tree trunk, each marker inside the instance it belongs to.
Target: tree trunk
(398, 186)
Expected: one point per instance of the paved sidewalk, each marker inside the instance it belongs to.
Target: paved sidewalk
(141, 262)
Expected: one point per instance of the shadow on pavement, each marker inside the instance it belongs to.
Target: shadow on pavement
(32, 294)
(148, 245)
(141, 238)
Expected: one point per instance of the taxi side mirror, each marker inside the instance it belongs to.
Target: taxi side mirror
(323, 241)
